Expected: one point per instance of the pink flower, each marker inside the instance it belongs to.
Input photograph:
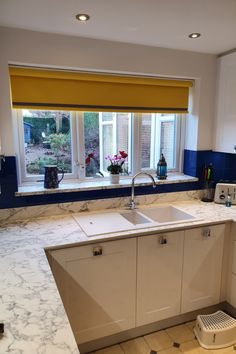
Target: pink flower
(117, 159)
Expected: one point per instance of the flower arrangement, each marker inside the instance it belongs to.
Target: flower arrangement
(116, 162)
(92, 165)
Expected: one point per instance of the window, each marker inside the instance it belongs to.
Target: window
(70, 139)
(45, 139)
(159, 135)
(105, 134)
(114, 135)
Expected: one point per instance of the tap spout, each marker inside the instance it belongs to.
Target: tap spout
(132, 204)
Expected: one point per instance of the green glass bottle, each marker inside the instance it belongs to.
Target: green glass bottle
(162, 168)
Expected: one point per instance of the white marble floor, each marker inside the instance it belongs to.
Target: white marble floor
(175, 340)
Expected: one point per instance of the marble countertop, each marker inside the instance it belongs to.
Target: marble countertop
(30, 305)
(99, 183)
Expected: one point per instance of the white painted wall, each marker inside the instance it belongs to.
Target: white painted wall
(35, 48)
(225, 122)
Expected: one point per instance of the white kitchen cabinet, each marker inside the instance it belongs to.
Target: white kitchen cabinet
(225, 137)
(202, 267)
(113, 286)
(234, 258)
(98, 284)
(159, 270)
(231, 294)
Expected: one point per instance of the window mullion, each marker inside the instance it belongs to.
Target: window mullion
(180, 138)
(80, 163)
(136, 143)
(130, 140)
(158, 138)
(101, 149)
(115, 133)
(153, 150)
(20, 127)
(74, 144)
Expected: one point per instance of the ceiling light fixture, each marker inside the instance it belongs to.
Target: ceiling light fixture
(82, 17)
(194, 35)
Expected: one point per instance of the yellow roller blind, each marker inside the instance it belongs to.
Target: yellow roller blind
(64, 90)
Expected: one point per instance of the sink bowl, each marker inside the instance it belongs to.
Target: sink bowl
(158, 215)
(166, 214)
(135, 217)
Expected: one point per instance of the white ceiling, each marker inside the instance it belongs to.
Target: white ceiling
(161, 23)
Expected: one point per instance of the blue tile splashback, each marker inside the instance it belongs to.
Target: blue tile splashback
(8, 181)
(224, 168)
(190, 162)
(224, 165)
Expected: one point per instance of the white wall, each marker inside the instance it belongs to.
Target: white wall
(225, 122)
(35, 48)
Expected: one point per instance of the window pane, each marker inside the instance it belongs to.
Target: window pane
(158, 135)
(47, 140)
(91, 142)
(122, 131)
(146, 135)
(167, 144)
(105, 134)
(108, 140)
(107, 116)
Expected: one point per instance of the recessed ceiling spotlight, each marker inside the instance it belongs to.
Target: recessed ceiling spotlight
(82, 17)
(194, 35)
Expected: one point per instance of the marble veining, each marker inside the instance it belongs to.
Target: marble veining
(16, 214)
(30, 305)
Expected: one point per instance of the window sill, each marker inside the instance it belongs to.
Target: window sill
(78, 186)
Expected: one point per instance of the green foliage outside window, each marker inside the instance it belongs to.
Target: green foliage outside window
(91, 142)
(59, 143)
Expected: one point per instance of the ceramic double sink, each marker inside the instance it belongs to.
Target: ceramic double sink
(162, 215)
(102, 223)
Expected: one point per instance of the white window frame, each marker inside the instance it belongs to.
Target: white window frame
(103, 123)
(130, 143)
(79, 160)
(78, 150)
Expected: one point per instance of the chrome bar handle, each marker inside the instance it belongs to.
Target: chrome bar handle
(162, 240)
(97, 251)
(206, 233)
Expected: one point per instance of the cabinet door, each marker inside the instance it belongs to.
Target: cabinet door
(159, 276)
(203, 252)
(226, 104)
(231, 294)
(98, 283)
